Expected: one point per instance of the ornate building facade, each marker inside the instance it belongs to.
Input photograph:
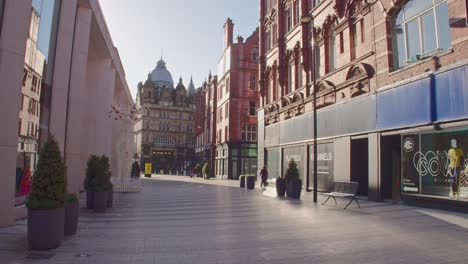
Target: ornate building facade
(164, 130)
(389, 75)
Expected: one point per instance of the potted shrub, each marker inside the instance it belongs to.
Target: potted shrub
(91, 172)
(46, 201)
(280, 186)
(71, 214)
(293, 183)
(250, 181)
(100, 186)
(242, 181)
(109, 187)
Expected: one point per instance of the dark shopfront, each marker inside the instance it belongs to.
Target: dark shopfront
(235, 159)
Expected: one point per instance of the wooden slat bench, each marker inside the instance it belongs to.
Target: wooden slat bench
(343, 190)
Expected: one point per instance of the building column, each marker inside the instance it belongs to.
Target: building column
(75, 144)
(13, 37)
(375, 183)
(61, 80)
(100, 90)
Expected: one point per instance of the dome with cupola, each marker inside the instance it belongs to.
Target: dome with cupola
(161, 76)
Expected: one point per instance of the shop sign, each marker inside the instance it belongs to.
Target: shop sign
(411, 164)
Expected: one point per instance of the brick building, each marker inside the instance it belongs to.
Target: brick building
(237, 100)
(205, 121)
(391, 93)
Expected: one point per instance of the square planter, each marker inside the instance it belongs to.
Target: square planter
(45, 228)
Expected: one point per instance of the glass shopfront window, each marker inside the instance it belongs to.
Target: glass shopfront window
(36, 90)
(325, 159)
(2, 5)
(272, 163)
(436, 164)
(296, 154)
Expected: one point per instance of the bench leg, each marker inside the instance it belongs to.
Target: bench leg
(348, 204)
(326, 200)
(357, 202)
(335, 200)
(354, 198)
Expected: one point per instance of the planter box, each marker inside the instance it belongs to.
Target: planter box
(280, 187)
(250, 182)
(294, 189)
(100, 201)
(45, 228)
(242, 181)
(89, 199)
(71, 218)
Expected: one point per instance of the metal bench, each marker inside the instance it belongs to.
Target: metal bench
(343, 190)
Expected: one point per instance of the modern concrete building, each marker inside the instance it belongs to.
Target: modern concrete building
(237, 102)
(391, 94)
(164, 129)
(82, 81)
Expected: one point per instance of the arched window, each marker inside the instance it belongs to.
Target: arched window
(420, 29)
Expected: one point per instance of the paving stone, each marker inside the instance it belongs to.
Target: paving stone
(183, 220)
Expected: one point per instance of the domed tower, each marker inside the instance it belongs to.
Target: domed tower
(161, 76)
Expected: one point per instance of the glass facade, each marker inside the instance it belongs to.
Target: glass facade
(325, 162)
(36, 90)
(296, 154)
(436, 164)
(272, 162)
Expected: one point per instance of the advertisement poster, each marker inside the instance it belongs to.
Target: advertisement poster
(410, 153)
(148, 169)
(325, 163)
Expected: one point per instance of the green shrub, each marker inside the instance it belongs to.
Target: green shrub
(49, 182)
(292, 173)
(91, 172)
(106, 174)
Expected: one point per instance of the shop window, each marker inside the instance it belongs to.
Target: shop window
(420, 29)
(436, 164)
(297, 12)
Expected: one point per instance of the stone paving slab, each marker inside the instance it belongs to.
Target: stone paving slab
(183, 220)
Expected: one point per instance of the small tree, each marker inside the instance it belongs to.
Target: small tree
(292, 173)
(108, 186)
(50, 181)
(91, 172)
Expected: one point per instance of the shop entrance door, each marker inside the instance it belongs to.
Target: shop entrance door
(360, 164)
(391, 167)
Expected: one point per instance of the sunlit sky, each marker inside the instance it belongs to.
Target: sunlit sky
(189, 33)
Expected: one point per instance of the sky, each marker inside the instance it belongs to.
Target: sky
(187, 33)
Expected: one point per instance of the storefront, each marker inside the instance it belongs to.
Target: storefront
(434, 164)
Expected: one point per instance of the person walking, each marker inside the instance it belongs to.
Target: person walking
(264, 176)
(205, 171)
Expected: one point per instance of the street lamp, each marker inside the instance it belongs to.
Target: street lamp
(309, 19)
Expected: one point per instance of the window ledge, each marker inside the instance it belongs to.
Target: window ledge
(422, 61)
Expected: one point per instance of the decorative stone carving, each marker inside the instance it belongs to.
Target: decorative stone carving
(358, 78)
(285, 101)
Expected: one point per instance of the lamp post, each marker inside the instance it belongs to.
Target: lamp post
(308, 18)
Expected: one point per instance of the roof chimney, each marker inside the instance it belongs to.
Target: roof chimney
(240, 39)
(228, 33)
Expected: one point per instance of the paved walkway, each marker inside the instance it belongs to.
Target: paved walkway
(178, 221)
